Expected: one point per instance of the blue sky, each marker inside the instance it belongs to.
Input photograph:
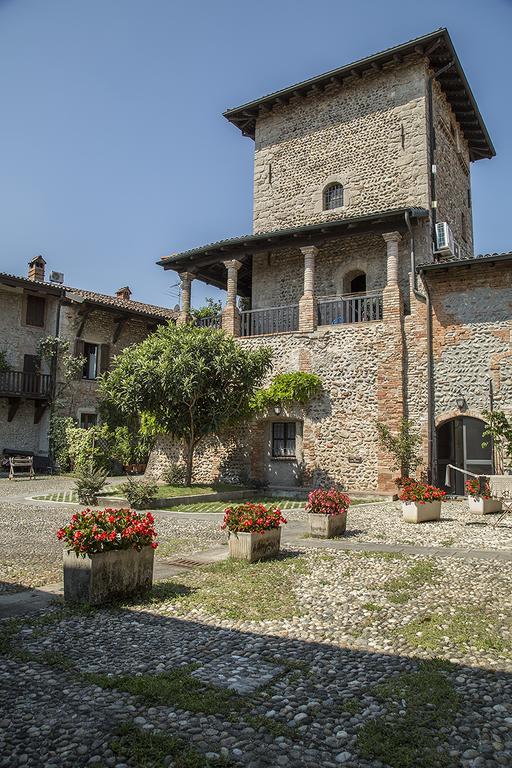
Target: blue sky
(114, 151)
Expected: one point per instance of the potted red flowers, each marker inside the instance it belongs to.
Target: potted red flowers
(327, 513)
(108, 554)
(420, 502)
(254, 531)
(479, 502)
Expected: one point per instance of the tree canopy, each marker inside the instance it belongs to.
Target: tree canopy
(185, 381)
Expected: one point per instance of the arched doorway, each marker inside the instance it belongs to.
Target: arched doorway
(459, 442)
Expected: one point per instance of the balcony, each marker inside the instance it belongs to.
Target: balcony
(270, 320)
(33, 386)
(210, 321)
(351, 308)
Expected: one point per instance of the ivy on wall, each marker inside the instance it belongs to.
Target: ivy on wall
(287, 388)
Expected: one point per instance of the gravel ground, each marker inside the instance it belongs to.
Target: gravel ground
(351, 672)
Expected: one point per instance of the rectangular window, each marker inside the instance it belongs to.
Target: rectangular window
(283, 439)
(91, 354)
(88, 420)
(35, 311)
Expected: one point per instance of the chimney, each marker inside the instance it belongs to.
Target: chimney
(124, 293)
(36, 269)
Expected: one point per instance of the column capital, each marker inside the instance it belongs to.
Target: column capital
(392, 237)
(309, 250)
(187, 277)
(232, 264)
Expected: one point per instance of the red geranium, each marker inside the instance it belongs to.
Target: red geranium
(331, 502)
(473, 489)
(252, 518)
(93, 531)
(416, 491)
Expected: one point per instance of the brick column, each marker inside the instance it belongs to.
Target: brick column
(307, 304)
(390, 375)
(186, 289)
(230, 314)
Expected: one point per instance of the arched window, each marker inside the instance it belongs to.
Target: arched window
(333, 196)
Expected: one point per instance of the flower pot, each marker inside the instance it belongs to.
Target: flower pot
(255, 546)
(482, 506)
(414, 512)
(327, 526)
(105, 576)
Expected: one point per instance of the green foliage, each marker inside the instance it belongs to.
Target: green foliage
(186, 381)
(88, 447)
(89, 482)
(146, 749)
(212, 308)
(287, 388)
(175, 475)
(4, 365)
(403, 446)
(499, 429)
(55, 350)
(140, 493)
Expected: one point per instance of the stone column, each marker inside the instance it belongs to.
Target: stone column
(230, 314)
(186, 289)
(390, 374)
(307, 304)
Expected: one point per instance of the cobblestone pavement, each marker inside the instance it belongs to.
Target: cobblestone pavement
(377, 659)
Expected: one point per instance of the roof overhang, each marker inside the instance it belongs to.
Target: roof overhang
(487, 259)
(33, 286)
(437, 47)
(206, 262)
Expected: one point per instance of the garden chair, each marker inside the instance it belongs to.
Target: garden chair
(501, 489)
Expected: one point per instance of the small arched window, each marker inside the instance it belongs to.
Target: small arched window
(333, 196)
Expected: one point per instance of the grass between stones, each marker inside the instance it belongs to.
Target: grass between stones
(153, 750)
(400, 589)
(466, 627)
(176, 688)
(418, 704)
(238, 590)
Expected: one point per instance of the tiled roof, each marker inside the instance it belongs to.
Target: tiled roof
(102, 299)
(453, 262)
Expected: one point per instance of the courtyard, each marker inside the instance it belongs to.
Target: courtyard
(388, 647)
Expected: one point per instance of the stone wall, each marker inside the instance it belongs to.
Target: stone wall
(369, 134)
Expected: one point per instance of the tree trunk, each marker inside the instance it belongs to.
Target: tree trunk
(189, 459)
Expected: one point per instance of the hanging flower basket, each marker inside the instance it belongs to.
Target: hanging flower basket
(254, 531)
(109, 555)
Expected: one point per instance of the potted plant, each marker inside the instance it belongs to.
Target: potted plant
(108, 554)
(327, 513)
(420, 502)
(254, 531)
(479, 502)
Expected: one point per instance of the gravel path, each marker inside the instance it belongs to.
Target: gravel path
(324, 687)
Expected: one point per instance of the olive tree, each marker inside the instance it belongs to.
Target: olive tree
(187, 382)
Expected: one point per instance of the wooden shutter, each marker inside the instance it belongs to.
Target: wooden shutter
(35, 311)
(79, 348)
(104, 357)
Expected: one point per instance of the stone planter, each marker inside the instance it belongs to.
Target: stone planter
(414, 512)
(327, 526)
(107, 576)
(482, 506)
(254, 546)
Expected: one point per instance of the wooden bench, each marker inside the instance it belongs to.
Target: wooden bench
(23, 463)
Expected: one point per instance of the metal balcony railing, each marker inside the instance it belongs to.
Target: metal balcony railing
(256, 322)
(211, 321)
(19, 383)
(351, 308)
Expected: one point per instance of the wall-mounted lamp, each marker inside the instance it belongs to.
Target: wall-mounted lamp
(277, 410)
(461, 402)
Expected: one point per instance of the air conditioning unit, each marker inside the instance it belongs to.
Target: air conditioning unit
(445, 240)
(57, 277)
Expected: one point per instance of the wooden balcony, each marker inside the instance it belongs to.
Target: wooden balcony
(351, 308)
(270, 320)
(33, 386)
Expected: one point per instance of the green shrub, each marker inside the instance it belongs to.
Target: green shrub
(175, 475)
(139, 494)
(89, 482)
(288, 388)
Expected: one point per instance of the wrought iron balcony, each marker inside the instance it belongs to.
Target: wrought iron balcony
(351, 308)
(35, 386)
(256, 322)
(209, 321)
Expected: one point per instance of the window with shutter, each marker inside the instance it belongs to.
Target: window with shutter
(35, 311)
(90, 352)
(104, 358)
